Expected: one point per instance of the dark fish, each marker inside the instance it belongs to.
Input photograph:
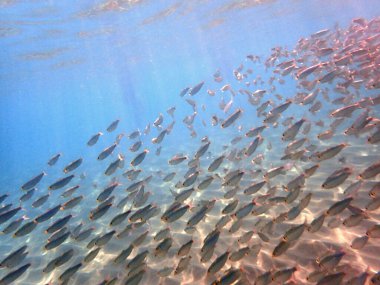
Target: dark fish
(139, 158)
(13, 226)
(14, 258)
(184, 91)
(57, 242)
(118, 219)
(113, 126)
(94, 139)
(3, 197)
(337, 178)
(33, 182)
(14, 275)
(68, 192)
(196, 89)
(202, 150)
(60, 183)
(40, 201)
(232, 118)
(160, 137)
(4, 217)
(107, 192)
(54, 159)
(69, 272)
(5, 208)
(58, 224)
(99, 211)
(83, 235)
(106, 152)
(48, 214)
(72, 202)
(73, 165)
(58, 261)
(25, 229)
(27, 195)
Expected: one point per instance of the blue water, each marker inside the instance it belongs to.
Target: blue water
(70, 68)
(124, 69)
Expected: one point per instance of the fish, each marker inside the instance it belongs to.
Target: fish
(69, 272)
(232, 118)
(107, 192)
(62, 182)
(53, 160)
(6, 216)
(177, 159)
(113, 126)
(182, 264)
(139, 158)
(73, 165)
(214, 165)
(14, 258)
(33, 182)
(100, 211)
(91, 255)
(218, 263)
(123, 255)
(40, 201)
(60, 223)
(14, 275)
(293, 130)
(195, 89)
(27, 195)
(94, 139)
(12, 226)
(159, 120)
(107, 151)
(59, 261)
(337, 178)
(370, 172)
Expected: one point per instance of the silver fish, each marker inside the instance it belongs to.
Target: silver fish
(73, 165)
(33, 182)
(27, 195)
(113, 126)
(139, 158)
(91, 255)
(232, 118)
(14, 275)
(218, 263)
(94, 139)
(337, 178)
(53, 160)
(123, 255)
(339, 206)
(182, 264)
(56, 242)
(195, 89)
(69, 272)
(107, 151)
(371, 171)
(293, 130)
(72, 202)
(40, 201)
(48, 214)
(57, 225)
(60, 183)
(14, 258)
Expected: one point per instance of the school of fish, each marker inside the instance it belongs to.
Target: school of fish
(285, 199)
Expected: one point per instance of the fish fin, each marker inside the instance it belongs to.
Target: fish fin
(173, 192)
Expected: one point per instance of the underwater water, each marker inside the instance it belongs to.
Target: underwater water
(190, 142)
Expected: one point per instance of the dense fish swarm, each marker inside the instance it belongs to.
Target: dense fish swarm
(289, 200)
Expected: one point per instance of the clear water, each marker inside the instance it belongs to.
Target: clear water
(69, 69)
